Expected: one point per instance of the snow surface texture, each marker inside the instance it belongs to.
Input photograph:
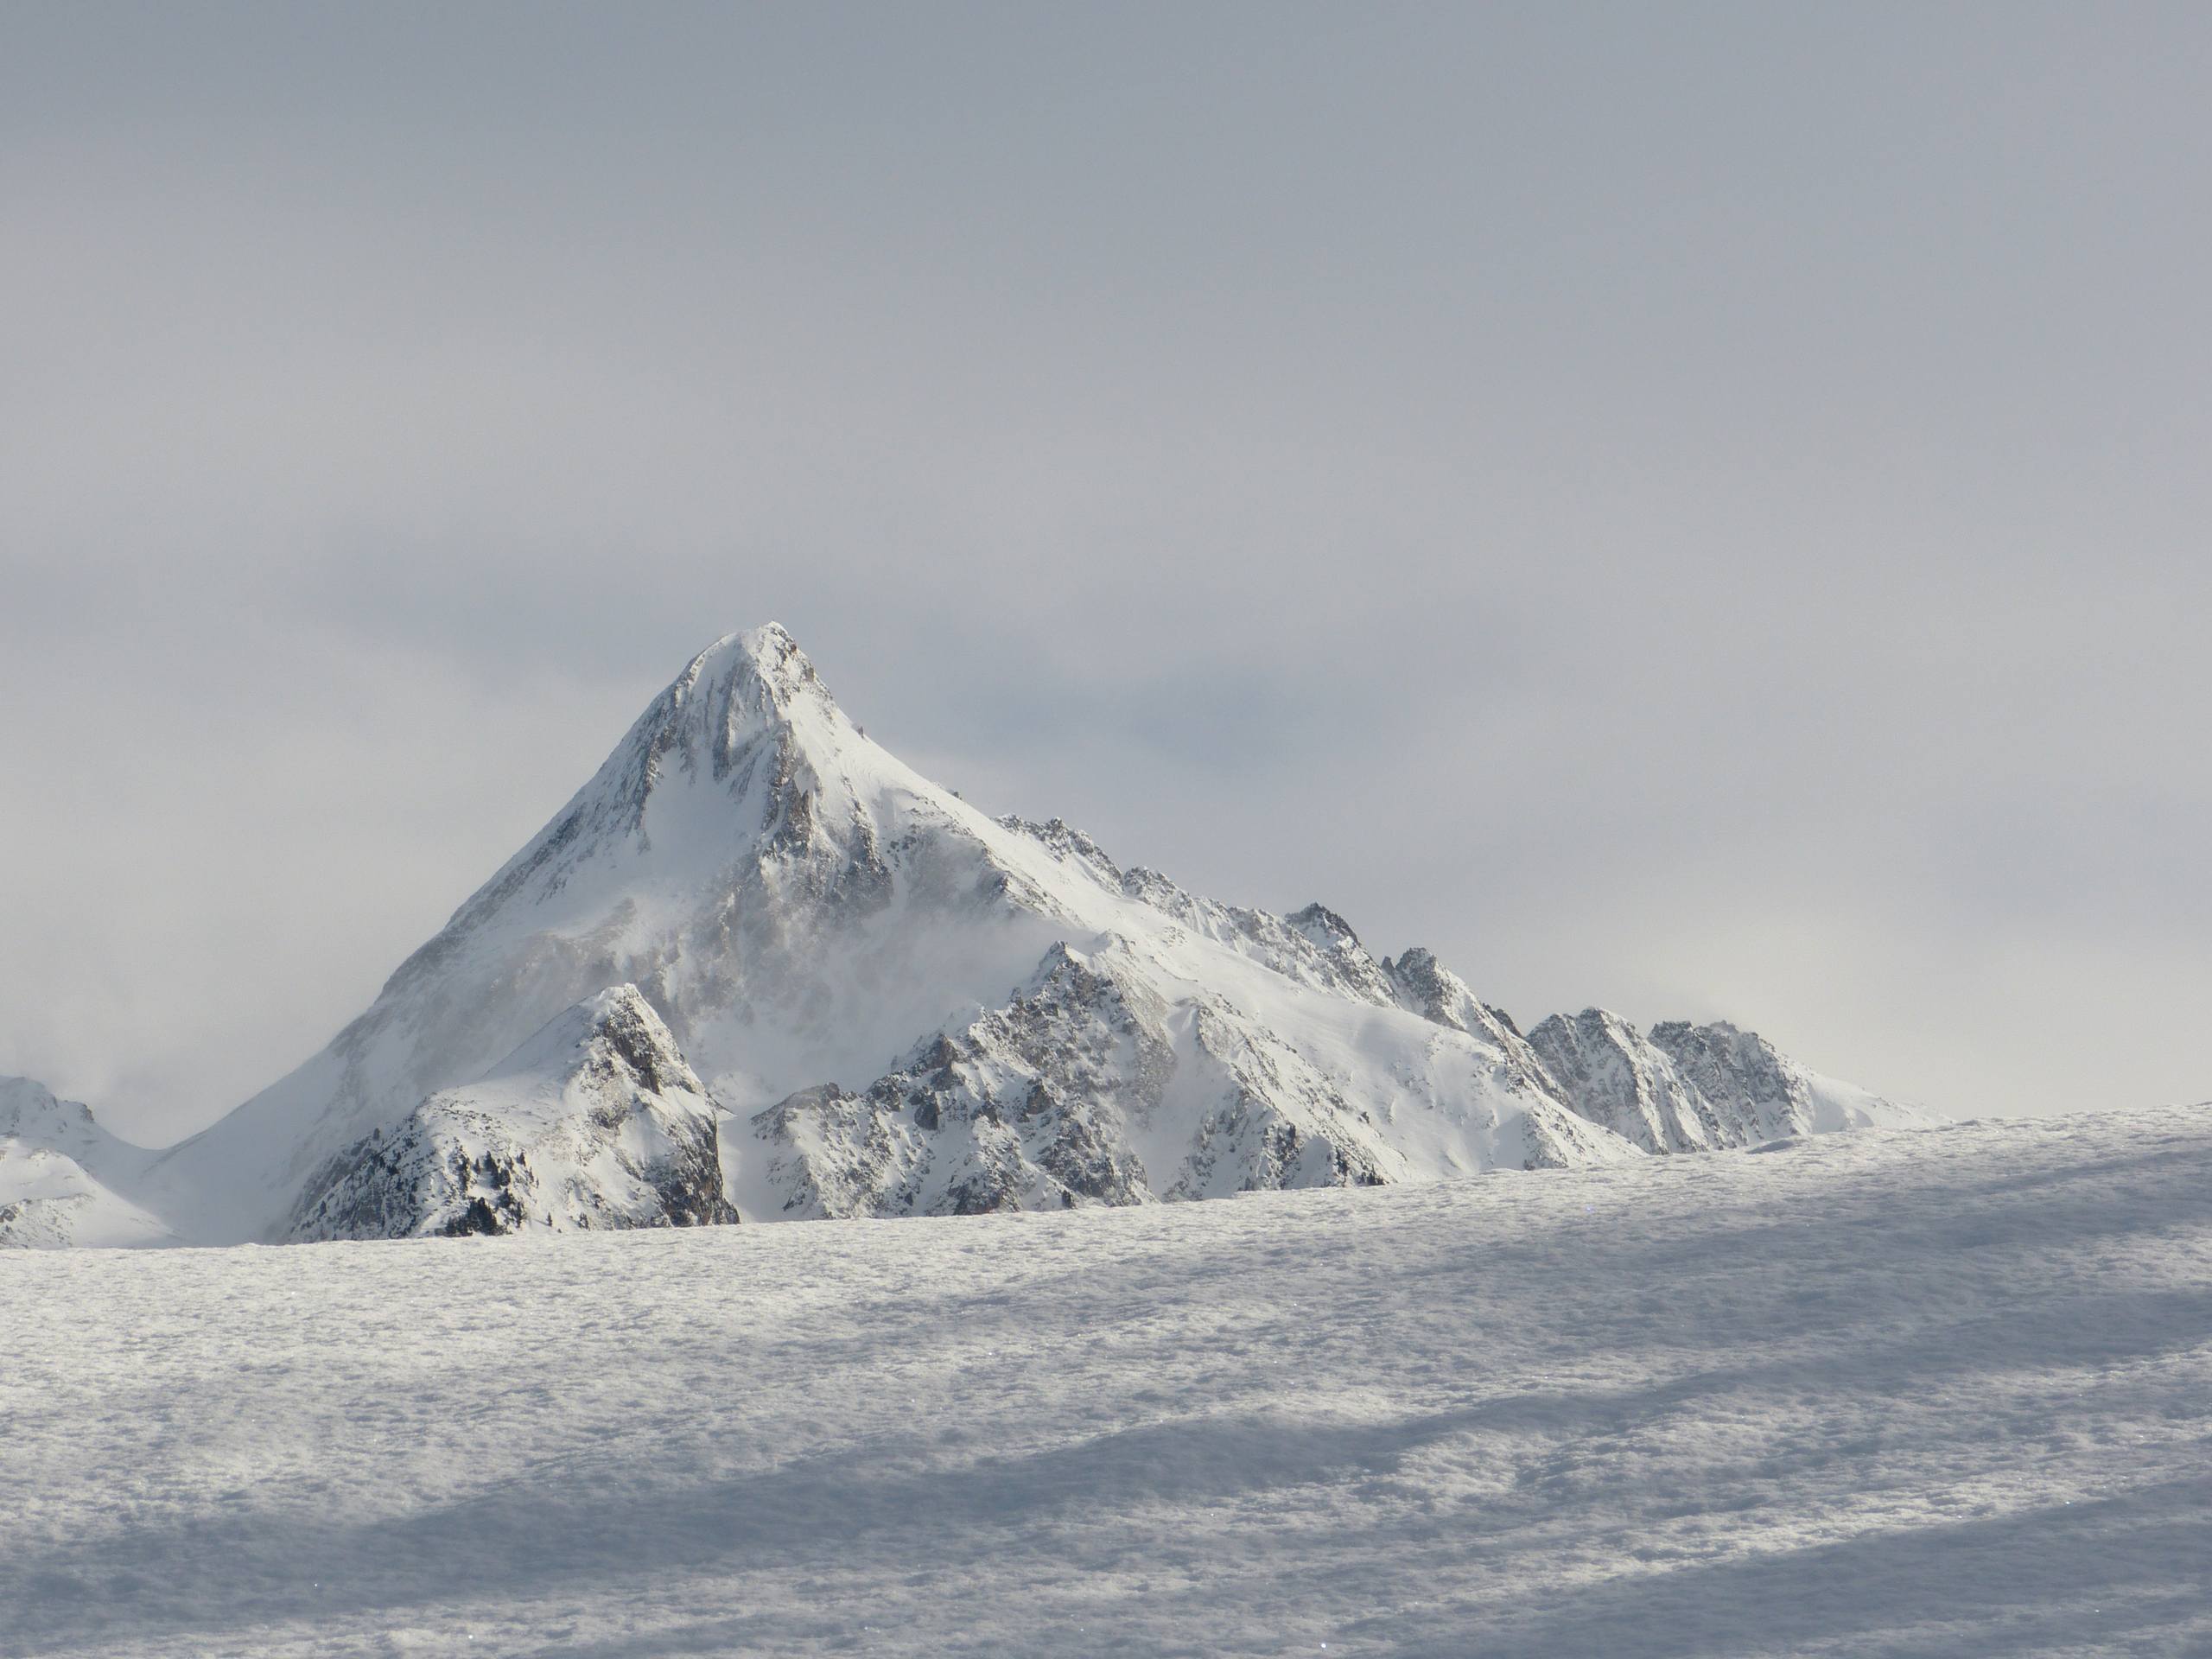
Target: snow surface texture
(901, 1007)
(1943, 1391)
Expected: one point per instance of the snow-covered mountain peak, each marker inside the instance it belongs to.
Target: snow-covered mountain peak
(754, 935)
(743, 687)
(760, 671)
(1328, 931)
(1068, 844)
(1434, 992)
(1752, 1081)
(1689, 1087)
(1593, 1024)
(745, 746)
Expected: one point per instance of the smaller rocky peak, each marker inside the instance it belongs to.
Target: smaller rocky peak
(1716, 1043)
(33, 1114)
(1325, 928)
(1354, 973)
(596, 1121)
(1067, 843)
(1435, 993)
(1148, 886)
(1597, 1042)
(1426, 984)
(1599, 1026)
(1060, 961)
(1427, 987)
(1608, 1073)
(1728, 1065)
(29, 1109)
(630, 1033)
(1064, 976)
(616, 1036)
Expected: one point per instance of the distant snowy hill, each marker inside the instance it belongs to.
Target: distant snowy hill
(876, 1001)
(53, 1160)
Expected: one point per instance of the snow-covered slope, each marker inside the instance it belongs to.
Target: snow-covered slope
(54, 1163)
(905, 1006)
(1902, 1393)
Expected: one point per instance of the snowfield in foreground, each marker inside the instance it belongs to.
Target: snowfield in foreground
(1944, 1391)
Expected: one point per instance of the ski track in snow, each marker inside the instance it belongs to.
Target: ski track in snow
(1946, 1391)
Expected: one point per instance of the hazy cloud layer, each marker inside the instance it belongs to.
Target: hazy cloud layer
(1702, 514)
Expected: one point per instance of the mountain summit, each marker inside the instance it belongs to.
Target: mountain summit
(852, 994)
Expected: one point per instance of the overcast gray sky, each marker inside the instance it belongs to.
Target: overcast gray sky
(1700, 509)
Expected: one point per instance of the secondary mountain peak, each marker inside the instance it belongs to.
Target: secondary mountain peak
(595, 1120)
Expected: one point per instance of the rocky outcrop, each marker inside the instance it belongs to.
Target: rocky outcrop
(1687, 1088)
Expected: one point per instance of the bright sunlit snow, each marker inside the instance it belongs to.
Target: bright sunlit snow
(1933, 1391)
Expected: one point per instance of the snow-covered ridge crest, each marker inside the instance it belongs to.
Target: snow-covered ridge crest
(890, 1004)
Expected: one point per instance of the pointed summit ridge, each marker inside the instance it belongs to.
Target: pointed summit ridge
(743, 687)
(747, 712)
